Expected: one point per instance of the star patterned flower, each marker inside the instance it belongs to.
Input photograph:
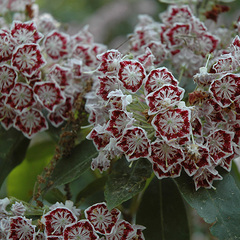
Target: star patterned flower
(101, 218)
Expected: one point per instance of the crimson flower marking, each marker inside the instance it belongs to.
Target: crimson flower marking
(119, 120)
(30, 122)
(226, 89)
(25, 32)
(82, 229)
(101, 218)
(134, 143)
(157, 78)
(131, 74)
(172, 124)
(163, 98)
(21, 97)
(165, 155)
(56, 220)
(48, 94)
(8, 78)
(220, 144)
(27, 58)
(6, 45)
(21, 228)
(56, 45)
(123, 230)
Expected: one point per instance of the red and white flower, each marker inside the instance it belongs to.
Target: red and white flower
(159, 50)
(21, 228)
(181, 14)
(8, 78)
(123, 230)
(101, 162)
(48, 94)
(157, 78)
(21, 97)
(106, 85)
(131, 74)
(100, 136)
(27, 58)
(119, 120)
(110, 61)
(56, 44)
(31, 122)
(25, 32)
(82, 229)
(60, 75)
(134, 143)
(173, 172)
(178, 34)
(204, 177)
(220, 145)
(60, 113)
(172, 124)
(6, 45)
(164, 98)
(226, 89)
(165, 155)
(56, 220)
(7, 114)
(226, 63)
(207, 43)
(196, 156)
(101, 218)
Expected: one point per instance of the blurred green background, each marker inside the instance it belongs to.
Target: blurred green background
(109, 20)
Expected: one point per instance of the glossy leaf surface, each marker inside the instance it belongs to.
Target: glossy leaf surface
(126, 181)
(220, 207)
(162, 212)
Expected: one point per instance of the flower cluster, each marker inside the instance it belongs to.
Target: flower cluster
(181, 37)
(42, 74)
(137, 107)
(64, 222)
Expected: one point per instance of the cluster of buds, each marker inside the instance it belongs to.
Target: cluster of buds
(137, 107)
(64, 222)
(42, 74)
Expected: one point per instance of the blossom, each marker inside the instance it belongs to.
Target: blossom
(8, 78)
(81, 229)
(20, 97)
(131, 74)
(28, 59)
(56, 44)
(123, 230)
(56, 220)
(48, 94)
(25, 32)
(157, 78)
(165, 155)
(30, 122)
(21, 228)
(101, 218)
(172, 124)
(134, 143)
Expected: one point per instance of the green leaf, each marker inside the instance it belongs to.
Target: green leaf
(70, 168)
(13, 147)
(20, 182)
(124, 182)
(162, 212)
(174, 1)
(91, 188)
(220, 207)
(227, 1)
(55, 195)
